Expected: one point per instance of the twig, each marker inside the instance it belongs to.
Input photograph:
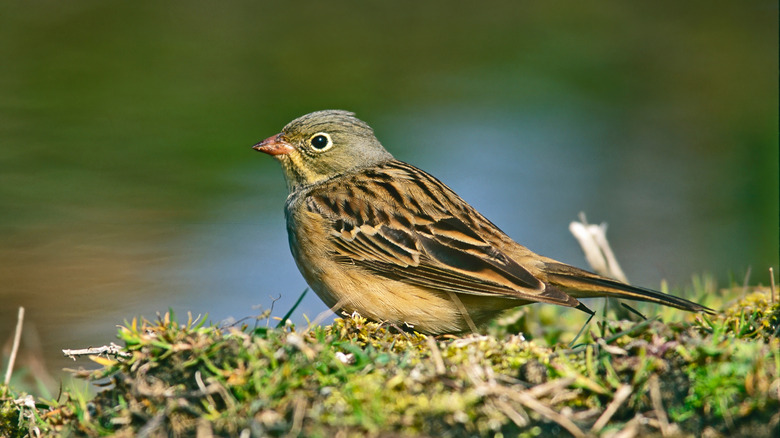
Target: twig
(299, 413)
(631, 429)
(746, 281)
(271, 312)
(658, 407)
(550, 387)
(527, 399)
(203, 389)
(15, 349)
(436, 355)
(620, 396)
(593, 240)
(108, 350)
(519, 418)
(772, 283)
(468, 339)
(203, 428)
(151, 425)
(540, 408)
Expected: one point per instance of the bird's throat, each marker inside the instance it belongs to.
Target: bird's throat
(298, 173)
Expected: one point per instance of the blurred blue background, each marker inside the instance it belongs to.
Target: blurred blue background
(128, 186)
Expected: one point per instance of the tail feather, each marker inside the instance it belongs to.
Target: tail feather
(583, 284)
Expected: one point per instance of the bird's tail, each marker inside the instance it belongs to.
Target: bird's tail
(583, 284)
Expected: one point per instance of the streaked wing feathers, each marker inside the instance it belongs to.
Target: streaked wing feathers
(421, 241)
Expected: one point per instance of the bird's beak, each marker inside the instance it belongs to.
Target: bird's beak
(276, 145)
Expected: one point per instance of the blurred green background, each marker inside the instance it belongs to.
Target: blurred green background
(128, 186)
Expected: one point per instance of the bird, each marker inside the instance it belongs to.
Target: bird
(374, 235)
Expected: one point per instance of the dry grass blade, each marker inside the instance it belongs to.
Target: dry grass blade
(204, 429)
(526, 399)
(519, 418)
(15, 349)
(593, 240)
(549, 387)
(620, 396)
(324, 314)
(658, 407)
(203, 389)
(464, 312)
(540, 408)
(298, 414)
(152, 425)
(436, 355)
(631, 429)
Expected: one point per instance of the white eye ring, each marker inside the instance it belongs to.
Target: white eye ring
(321, 141)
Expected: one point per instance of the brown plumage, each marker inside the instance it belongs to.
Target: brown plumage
(381, 237)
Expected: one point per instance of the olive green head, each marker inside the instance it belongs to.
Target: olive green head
(322, 145)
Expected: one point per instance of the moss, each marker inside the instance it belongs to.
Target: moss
(358, 378)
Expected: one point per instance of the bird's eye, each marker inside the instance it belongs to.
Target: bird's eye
(321, 141)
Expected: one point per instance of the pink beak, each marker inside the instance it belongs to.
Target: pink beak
(275, 145)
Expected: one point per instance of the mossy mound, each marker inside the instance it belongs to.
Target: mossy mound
(705, 376)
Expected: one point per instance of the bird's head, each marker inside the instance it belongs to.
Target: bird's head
(322, 145)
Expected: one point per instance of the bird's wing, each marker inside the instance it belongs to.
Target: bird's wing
(416, 234)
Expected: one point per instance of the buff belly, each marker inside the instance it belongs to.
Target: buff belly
(345, 287)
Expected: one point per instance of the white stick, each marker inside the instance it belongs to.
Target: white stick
(15, 349)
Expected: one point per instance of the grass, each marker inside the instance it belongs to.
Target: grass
(673, 375)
